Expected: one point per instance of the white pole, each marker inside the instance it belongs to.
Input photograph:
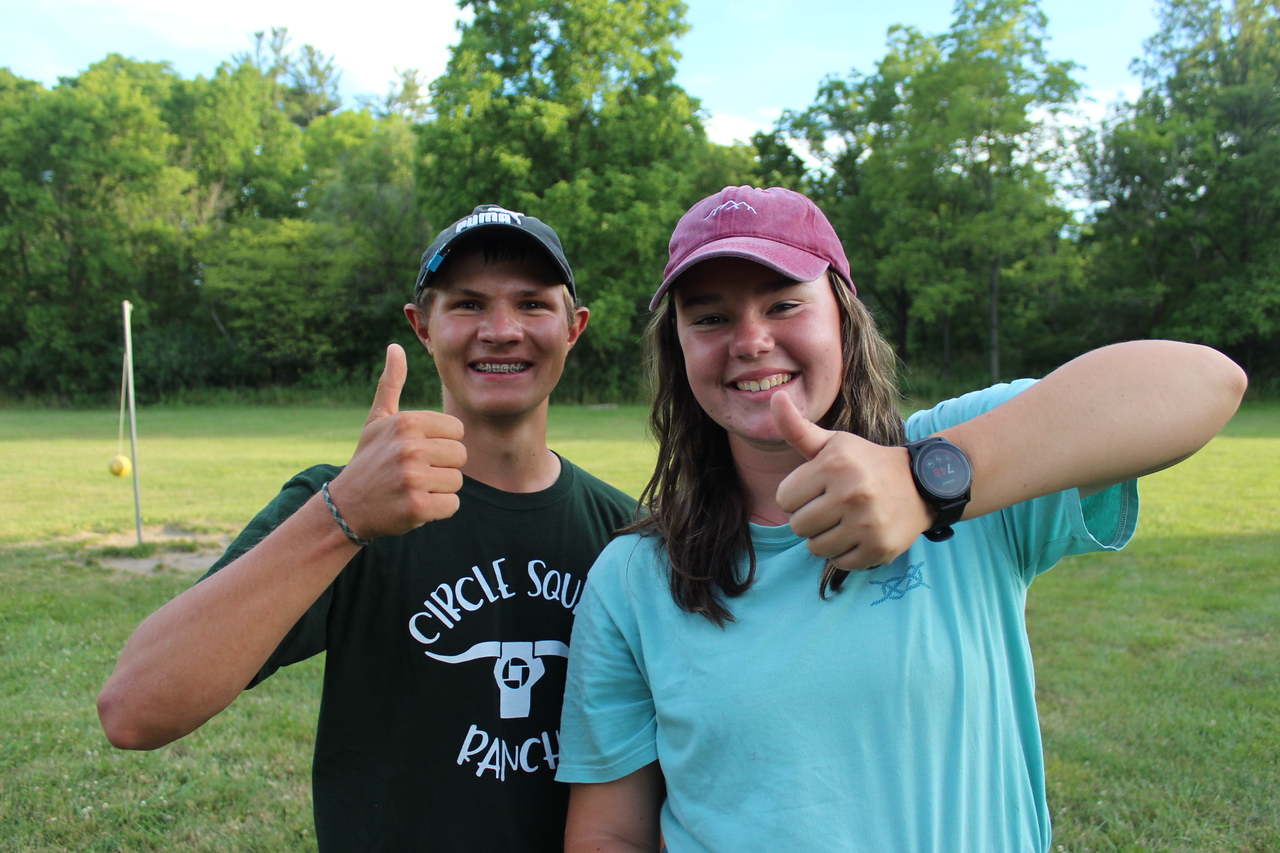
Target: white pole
(133, 420)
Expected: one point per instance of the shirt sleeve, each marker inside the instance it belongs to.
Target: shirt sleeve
(608, 727)
(1037, 534)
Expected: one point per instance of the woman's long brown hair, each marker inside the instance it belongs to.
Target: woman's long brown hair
(697, 506)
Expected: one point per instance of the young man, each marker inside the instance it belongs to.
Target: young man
(438, 570)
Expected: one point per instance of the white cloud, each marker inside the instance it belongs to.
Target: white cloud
(730, 129)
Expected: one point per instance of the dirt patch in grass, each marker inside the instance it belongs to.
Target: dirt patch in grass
(164, 548)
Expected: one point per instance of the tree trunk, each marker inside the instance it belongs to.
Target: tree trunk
(995, 319)
(946, 349)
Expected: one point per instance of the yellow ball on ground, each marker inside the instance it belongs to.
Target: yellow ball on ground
(120, 466)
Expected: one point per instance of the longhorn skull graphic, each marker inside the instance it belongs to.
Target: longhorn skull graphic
(517, 668)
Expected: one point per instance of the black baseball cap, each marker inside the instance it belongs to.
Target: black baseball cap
(488, 216)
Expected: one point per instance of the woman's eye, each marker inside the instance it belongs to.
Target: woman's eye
(785, 306)
(708, 320)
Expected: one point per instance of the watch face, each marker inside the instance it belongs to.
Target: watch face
(943, 472)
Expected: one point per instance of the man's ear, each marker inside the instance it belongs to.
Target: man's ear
(418, 320)
(580, 317)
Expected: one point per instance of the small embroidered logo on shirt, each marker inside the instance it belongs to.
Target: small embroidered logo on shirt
(896, 588)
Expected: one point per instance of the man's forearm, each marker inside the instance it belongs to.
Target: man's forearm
(194, 655)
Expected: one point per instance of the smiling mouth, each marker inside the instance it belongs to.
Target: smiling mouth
(766, 383)
(489, 367)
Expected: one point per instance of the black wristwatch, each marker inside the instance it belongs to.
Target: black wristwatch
(944, 479)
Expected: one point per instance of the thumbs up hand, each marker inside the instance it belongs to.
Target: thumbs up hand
(405, 471)
(853, 500)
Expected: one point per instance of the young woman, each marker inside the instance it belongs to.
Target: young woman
(803, 646)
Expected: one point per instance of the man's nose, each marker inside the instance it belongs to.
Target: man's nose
(501, 325)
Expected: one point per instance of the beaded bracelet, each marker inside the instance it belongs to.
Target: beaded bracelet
(337, 516)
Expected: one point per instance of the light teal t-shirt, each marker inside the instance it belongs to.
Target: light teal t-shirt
(897, 715)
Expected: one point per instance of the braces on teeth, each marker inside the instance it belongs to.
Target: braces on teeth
(501, 368)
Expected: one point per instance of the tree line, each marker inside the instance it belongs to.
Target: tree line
(266, 235)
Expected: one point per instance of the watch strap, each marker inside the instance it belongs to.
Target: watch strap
(948, 514)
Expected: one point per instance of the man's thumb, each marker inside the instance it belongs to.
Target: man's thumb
(386, 400)
(804, 436)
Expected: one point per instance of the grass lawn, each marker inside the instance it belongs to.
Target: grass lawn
(1158, 668)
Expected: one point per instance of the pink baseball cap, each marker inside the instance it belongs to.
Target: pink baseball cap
(776, 227)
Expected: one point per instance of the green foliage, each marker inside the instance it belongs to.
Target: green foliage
(94, 213)
(128, 182)
(777, 164)
(1188, 182)
(305, 85)
(364, 188)
(265, 236)
(938, 171)
(569, 110)
(278, 287)
(406, 97)
(241, 144)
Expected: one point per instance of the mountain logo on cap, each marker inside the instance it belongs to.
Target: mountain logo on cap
(729, 205)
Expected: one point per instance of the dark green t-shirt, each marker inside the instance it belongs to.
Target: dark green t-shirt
(445, 667)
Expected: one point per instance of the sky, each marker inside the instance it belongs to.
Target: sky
(745, 60)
